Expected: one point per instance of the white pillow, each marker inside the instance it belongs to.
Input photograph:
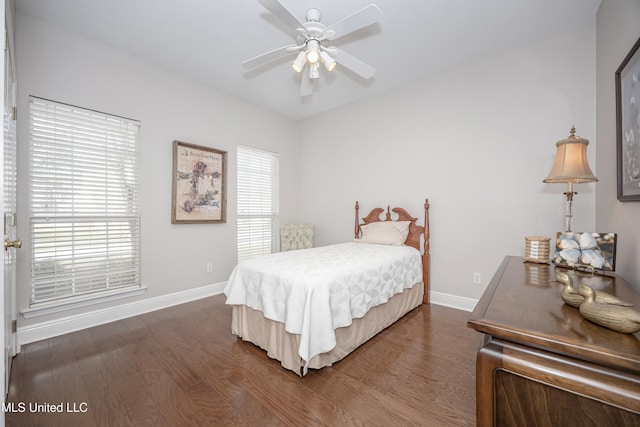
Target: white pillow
(385, 233)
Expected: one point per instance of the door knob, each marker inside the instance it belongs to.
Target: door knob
(12, 244)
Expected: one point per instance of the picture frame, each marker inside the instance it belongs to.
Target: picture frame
(199, 181)
(627, 85)
(586, 251)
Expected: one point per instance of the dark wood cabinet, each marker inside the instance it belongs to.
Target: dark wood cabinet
(540, 363)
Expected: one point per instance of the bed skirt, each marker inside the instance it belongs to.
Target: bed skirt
(252, 326)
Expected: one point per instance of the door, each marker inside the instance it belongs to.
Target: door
(9, 205)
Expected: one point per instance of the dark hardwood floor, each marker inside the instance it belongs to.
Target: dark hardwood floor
(181, 366)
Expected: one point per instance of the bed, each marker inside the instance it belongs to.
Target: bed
(310, 308)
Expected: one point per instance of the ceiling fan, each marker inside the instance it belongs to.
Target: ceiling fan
(312, 37)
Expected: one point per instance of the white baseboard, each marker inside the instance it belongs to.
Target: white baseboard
(453, 301)
(53, 328)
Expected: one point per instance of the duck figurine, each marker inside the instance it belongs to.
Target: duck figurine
(615, 317)
(571, 296)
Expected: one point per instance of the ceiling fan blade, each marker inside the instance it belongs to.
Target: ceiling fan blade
(284, 14)
(270, 56)
(363, 18)
(352, 63)
(306, 84)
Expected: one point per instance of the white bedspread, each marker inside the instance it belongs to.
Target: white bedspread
(315, 291)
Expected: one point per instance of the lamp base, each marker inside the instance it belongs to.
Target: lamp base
(568, 214)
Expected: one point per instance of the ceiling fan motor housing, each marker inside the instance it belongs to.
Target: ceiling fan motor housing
(312, 15)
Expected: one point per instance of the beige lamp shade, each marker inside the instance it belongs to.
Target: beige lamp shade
(571, 164)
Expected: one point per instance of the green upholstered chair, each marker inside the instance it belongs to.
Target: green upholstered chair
(296, 236)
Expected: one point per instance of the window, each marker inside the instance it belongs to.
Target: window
(258, 204)
(83, 204)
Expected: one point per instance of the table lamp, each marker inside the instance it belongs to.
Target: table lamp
(571, 166)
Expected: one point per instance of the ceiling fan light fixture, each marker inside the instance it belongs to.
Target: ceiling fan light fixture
(329, 62)
(313, 51)
(299, 62)
(314, 71)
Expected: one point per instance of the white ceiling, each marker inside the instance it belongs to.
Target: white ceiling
(207, 40)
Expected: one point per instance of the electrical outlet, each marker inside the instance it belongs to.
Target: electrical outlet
(209, 267)
(477, 280)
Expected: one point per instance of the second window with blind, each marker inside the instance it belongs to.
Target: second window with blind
(258, 202)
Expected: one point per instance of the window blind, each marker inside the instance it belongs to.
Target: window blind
(258, 202)
(83, 203)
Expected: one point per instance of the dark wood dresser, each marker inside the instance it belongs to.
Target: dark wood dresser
(542, 364)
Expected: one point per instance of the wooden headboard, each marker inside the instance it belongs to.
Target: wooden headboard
(413, 238)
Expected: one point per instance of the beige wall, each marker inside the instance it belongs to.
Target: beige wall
(618, 28)
(477, 140)
(62, 66)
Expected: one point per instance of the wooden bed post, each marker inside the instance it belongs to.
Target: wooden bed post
(425, 255)
(357, 221)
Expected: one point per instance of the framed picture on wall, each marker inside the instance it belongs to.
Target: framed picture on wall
(627, 79)
(199, 184)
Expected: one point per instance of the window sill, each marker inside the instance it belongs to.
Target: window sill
(43, 309)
